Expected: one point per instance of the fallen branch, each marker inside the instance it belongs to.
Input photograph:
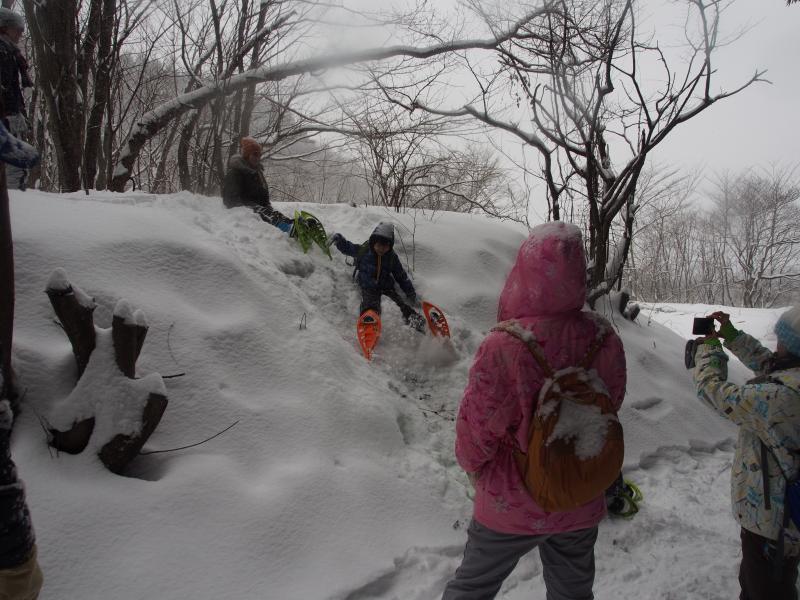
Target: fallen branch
(191, 445)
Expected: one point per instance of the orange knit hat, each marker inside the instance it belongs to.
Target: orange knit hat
(249, 146)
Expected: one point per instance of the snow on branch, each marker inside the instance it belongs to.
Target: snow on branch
(154, 121)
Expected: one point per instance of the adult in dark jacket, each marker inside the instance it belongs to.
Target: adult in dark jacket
(20, 575)
(245, 185)
(378, 268)
(13, 77)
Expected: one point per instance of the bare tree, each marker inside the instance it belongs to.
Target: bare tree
(76, 48)
(664, 230)
(54, 30)
(742, 251)
(756, 214)
(576, 75)
(157, 119)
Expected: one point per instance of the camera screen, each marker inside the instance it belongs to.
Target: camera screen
(702, 326)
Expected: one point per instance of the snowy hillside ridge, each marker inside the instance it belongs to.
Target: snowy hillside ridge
(338, 467)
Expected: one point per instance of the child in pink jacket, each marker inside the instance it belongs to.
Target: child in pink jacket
(545, 293)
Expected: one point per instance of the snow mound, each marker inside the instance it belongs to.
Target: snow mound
(337, 467)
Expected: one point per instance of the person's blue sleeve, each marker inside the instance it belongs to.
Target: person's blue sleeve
(402, 279)
(345, 247)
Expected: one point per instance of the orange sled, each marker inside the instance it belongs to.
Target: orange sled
(436, 320)
(368, 329)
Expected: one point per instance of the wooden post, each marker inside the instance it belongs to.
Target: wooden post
(75, 439)
(128, 339)
(122, 449)
(77, 320)
(128, 332)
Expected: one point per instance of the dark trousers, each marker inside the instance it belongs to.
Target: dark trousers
(490, 556)
(371, 299)
(756, 573)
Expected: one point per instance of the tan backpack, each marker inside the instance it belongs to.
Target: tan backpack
(575, 443)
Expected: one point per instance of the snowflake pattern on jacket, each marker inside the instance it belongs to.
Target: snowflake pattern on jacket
(768, 411)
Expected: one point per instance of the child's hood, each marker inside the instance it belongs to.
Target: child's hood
(383, 230)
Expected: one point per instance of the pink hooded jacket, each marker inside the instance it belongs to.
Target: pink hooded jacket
(545, 293)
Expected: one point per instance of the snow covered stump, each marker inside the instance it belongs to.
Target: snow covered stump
(108, 405)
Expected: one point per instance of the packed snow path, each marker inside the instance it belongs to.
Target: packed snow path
(339, 480)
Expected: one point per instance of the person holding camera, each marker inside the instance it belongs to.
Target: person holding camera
(767, 411)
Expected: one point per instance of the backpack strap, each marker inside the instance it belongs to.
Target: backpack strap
(591, 353)
(515, 329)
(362, 250)
(765, 475)
(780, 550)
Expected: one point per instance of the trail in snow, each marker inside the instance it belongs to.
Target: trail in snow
(426, 374)
(681, 545)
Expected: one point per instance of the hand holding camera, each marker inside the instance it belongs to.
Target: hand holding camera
(703, 326)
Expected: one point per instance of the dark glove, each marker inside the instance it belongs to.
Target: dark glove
(335, 239)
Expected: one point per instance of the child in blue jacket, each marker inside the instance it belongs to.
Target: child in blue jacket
(378, 268)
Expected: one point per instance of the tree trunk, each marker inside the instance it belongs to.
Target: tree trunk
(250, 92)
(160, 182)
(53, 28)
(184, 171)
(102, 91)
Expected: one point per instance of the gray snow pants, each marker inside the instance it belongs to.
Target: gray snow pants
(489, 557)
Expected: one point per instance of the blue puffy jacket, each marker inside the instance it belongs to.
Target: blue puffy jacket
(378, 272)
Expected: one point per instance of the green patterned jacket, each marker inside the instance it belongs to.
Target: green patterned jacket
(767, 411)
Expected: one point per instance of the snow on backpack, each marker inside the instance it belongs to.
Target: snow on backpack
(575, 444)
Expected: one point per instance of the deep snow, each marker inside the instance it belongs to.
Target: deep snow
(339, 480)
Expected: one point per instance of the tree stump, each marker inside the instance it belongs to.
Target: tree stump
(629, 310)
(127, 334)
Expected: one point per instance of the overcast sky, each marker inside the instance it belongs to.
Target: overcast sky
(758, 127)
(761, 126)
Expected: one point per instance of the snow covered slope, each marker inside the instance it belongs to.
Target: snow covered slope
(339, 481)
